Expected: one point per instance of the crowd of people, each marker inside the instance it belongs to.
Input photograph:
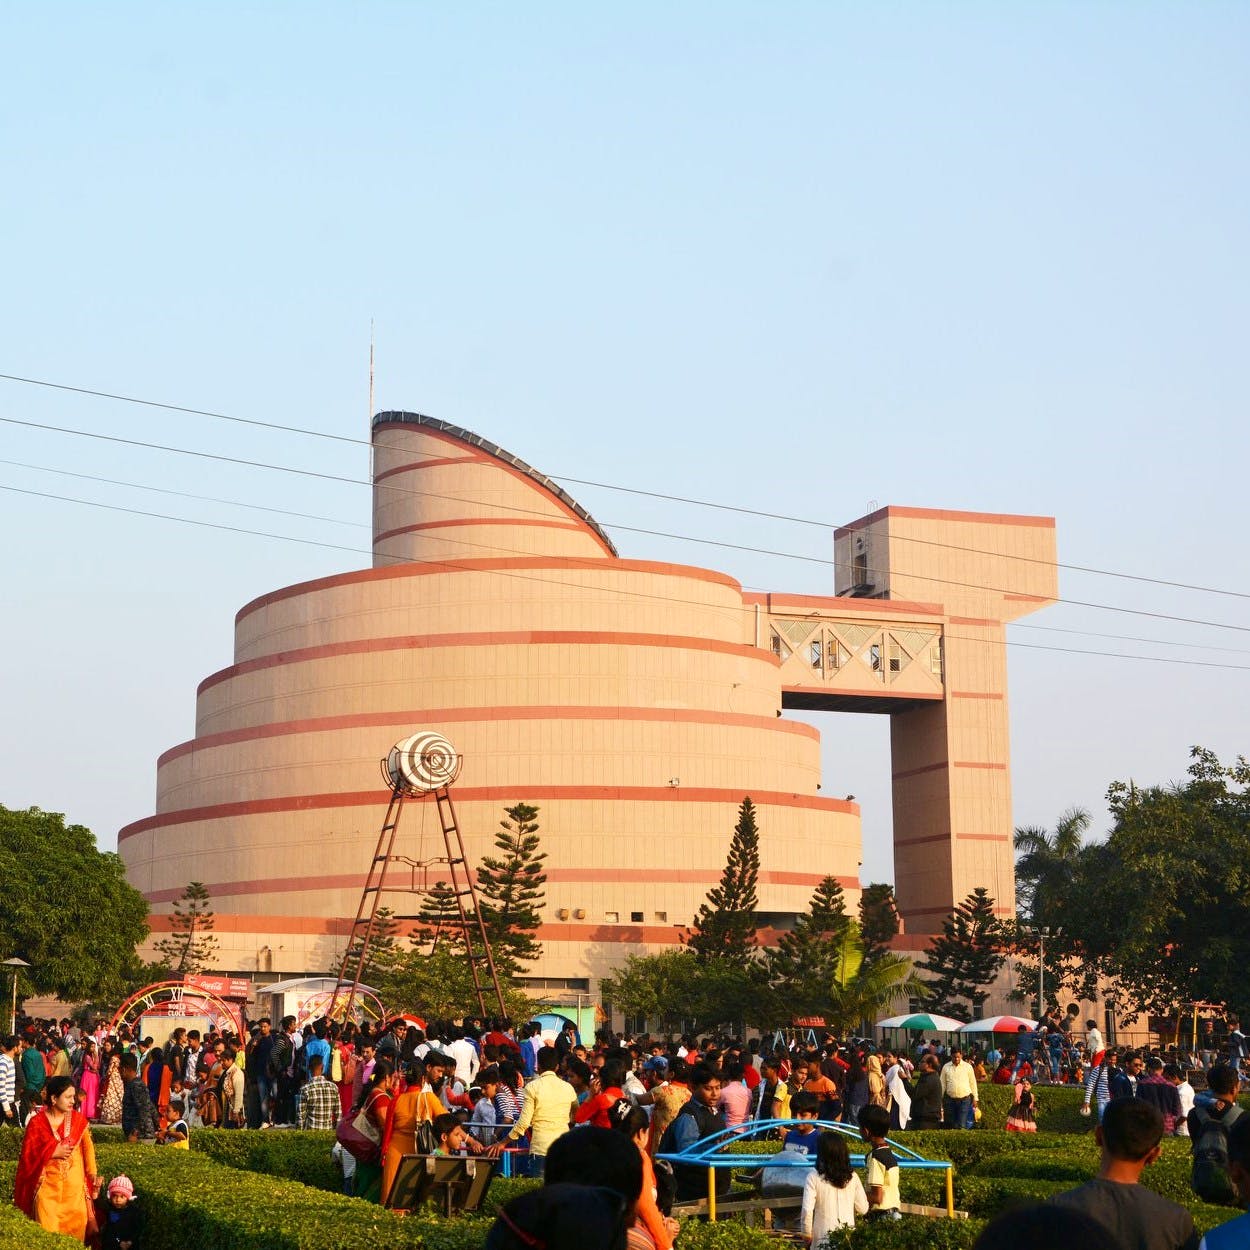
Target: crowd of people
(480, 1088)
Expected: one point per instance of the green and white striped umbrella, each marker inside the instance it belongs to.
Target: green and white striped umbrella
(921, 1022)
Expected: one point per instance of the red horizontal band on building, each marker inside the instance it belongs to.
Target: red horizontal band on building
(528, 480)
(431, 463)
(433, 717)
(488, 564)
(915, 772)
(779, 602)
(980, 621)
(644, 876)
(525, 522)
(944, 514)
(487, 794)
(946, 911)
(556, 931)
(998, 768)
(493, 638)
(977, 694)
(933, 837)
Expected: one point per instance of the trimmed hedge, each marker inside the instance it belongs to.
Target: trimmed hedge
(188, 1200)
(16, 1231)
(286, 1153)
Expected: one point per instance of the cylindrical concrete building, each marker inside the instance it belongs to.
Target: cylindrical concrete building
(634, 703)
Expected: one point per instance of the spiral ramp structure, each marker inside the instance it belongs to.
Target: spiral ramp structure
(634, 703)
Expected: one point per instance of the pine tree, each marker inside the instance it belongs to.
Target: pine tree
(726, 923)
(964, 958)
(439, 919)
(511, 893)
(803, 962)
(878, 919)
(384, 950)
(190, 946)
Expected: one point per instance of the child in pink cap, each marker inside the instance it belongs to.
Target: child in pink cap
(118, 1217)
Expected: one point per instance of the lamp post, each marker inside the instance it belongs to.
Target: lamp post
(1042, 932)
(15, 963)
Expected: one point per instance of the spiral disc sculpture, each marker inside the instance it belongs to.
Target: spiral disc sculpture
(422, 764)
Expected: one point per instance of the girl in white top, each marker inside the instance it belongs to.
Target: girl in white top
(833, 1194)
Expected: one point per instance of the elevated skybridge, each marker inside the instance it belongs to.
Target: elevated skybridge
(852, 655)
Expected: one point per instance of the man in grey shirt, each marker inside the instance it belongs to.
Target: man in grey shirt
(1139, 1219)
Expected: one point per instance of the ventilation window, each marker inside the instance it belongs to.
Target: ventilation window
(874, 657)
(635, 917)
(661, 917)
(612, 917)
(816, 654)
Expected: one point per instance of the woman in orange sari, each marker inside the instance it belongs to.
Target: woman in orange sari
(415, 1104)
(56, 1181)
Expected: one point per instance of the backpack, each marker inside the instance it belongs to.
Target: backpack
(1209, 1178)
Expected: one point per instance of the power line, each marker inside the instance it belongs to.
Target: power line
(184, 494)
(746, 608)
(308, 516)
(630, 490)
(943, 581)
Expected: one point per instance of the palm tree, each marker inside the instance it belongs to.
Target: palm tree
(861, 989)
(1044, 863)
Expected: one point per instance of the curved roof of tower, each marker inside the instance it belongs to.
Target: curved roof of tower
(476, 440)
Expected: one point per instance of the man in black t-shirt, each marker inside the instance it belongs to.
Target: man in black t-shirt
(1139, 1219)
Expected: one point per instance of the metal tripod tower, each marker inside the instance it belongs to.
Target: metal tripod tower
(422, 765)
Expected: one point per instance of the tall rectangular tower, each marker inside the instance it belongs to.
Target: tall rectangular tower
(950, 759)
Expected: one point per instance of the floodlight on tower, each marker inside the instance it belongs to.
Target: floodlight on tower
(421, 765)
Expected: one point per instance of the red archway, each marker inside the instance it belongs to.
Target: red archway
(175, 998)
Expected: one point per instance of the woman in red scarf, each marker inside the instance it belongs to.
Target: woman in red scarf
(56, 1174)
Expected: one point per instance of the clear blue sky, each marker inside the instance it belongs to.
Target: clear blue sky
(795, 257)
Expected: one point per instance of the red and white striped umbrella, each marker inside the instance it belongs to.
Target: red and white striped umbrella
(999, 1024)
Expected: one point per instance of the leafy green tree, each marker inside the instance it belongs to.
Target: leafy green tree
(67, 908)
(190, 946)
(802, 964)
(964, 958)
(725, 926)
(878, 919)
(1045, 863)
(663, 988)
(1163, 905)
(438, 984)
(511, 891)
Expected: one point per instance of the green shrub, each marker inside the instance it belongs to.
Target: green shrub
(912, 1232)
(17, 1232)
(188, 1200)
(288, 1153)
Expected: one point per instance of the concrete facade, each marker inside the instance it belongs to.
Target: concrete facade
(634, 703)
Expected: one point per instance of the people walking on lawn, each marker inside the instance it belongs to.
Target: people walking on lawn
(1136, 1217)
